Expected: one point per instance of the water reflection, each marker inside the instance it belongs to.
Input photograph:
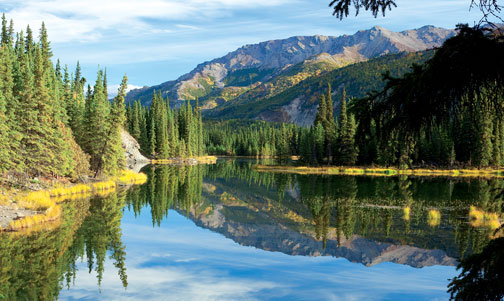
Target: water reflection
(414, 221)
(406, 220)
(35, 266)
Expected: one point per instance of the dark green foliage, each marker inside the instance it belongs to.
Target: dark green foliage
(245, 77)
(452, 102)
(342, 7)
(164, 132)
(482, 275)
(251, 138)
(45, 121)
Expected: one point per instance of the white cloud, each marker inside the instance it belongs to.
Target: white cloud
(112, 89)
(81, 21)
(164, 283)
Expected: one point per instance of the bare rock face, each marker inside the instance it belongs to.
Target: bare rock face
(134, 159)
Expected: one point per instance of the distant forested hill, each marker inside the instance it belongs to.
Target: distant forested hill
(298, 104)
(264, 71)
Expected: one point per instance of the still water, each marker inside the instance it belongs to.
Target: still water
(225, 231)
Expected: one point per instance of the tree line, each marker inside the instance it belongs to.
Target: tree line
(47, 125)
(415, 120)
(163, 132)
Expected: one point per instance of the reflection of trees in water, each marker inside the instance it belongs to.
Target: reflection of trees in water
(101, 232)
(168, 187)
(375, 208)
(383, 209)
(35, 266)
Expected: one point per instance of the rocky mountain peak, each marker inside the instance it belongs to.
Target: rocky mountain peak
(275, 55)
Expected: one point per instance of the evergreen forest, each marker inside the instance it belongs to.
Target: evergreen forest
(415, 120)
(48, 126)
(55, 124)
(163, 132)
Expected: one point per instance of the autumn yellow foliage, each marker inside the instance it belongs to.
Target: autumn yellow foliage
(4, 200)
(131, 177)
(101, 186)
(46, 201)
(50, 214)
(480, 218)
(335, 170)
(434, 218)
(38, 200)
(406, 213)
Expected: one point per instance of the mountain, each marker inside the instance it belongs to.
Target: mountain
(298, 103)
(249, 215)
(268, 234)
(264, 70)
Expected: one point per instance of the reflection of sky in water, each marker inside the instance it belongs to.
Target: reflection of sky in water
(182, 261)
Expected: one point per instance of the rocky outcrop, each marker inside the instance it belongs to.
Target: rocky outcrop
(134, 159)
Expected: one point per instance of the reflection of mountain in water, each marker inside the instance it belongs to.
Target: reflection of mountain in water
(263, 232)
(413, 221)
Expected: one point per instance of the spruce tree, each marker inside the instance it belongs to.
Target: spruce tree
(113, 153)
(135, 121)
(321, 111)
(5, 151)
(318, 141)
(152, 138)
(347, 151)
(97, 124)
(5, 32)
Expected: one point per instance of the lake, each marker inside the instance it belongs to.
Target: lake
(228, 232)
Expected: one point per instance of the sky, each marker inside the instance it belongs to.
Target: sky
(180, 261)
(153, 41)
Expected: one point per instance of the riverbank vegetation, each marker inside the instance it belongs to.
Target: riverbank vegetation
(163, 132)
(39, 264)
(45, 204)
(374, 171)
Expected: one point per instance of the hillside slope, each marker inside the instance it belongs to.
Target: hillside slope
(266, 69)
(298, 104)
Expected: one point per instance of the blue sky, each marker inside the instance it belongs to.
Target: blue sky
(180, 261)
(153, 41)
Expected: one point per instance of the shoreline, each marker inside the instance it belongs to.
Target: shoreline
(20, 210)
(185, 161)
(377, 171)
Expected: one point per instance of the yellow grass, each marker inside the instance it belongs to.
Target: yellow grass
(131, 177)
(38, 200)
(51, 214)
(45, 226)
(101, 186)
(434, 218)
(340, 170)
(406, 213)
(4, 200)
(201, 160)
(46, 201)
(75, 189)
(480, 218)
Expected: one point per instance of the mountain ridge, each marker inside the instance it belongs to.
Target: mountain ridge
(273, 56)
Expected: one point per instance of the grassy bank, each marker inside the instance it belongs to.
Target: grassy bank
(45, 204)
(341, 170)
(191, 160)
